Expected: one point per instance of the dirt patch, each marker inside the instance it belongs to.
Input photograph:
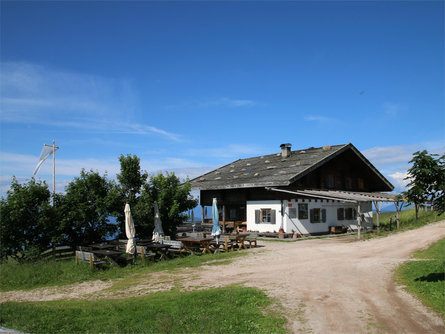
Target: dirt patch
(325, 285)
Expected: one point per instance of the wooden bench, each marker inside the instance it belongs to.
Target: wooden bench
(176, 246)
(90, 258)
(144, 253)
(251, 241)
(225, 243)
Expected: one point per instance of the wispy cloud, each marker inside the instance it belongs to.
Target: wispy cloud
(34, 94)
(216, 103)
(393, 109)
(233, 151)
(226, 102)
(320, 119)
(22, 166)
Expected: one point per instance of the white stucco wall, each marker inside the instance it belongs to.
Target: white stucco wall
(251, 206)
(304, 226)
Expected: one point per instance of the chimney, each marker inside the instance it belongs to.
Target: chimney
(285, 150)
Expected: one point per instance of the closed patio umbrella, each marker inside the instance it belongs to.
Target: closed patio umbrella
(129, 230)
(158, 232)
(216, 231)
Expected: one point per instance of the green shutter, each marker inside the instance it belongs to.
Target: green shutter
(323, 215)
(257, 216)
(272, 216)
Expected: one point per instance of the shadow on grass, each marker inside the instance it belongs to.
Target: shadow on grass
(433, 277)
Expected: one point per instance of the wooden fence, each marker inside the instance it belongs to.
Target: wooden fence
(59, 253)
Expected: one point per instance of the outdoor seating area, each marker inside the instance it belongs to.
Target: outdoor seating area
(114, 252)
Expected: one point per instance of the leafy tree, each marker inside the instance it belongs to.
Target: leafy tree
(130, 182)
(85, 209)
(439, 201)
(27, 220)
(173, 200)
(426, 179)
(131, 178)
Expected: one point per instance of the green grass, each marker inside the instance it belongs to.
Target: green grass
(14, 276)
(426, 278)
(230, 309)
(407, 222)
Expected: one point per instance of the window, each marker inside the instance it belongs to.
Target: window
(340, 214)
(302, 211)
(232, 214)
(348, 213)
(315, 216)
(318, 215)
(292, 213)
(265, 216)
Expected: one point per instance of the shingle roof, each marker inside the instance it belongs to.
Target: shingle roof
(268, 170)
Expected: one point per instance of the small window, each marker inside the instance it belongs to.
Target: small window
(292, 213)
(340, 214)
(232, 214)
(266, 215)
(315, 215)
(302, 211)
(348, 213)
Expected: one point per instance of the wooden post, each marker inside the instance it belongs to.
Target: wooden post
(359, 220)
(76, 257)
(202, 214)
(398, 208)
(224, 217)
(226, 243)
(377, 210)
(91, 260)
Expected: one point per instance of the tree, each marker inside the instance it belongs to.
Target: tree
(130, 182)
(131, 178)
(439, 201)
(86, 209)
(27, 221)
(173, 200)
(425, 177)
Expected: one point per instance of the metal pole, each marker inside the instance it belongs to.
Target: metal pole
(54, 171)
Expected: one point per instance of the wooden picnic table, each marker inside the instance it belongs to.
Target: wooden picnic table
(112, 255)
(102, 246)
(239, 238)
(192, 243)
(159, 249)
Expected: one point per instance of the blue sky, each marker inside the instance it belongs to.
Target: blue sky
(190, 86)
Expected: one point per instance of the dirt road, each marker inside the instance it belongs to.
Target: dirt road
(334, 285)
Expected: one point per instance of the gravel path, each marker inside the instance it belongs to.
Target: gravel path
(333, 285)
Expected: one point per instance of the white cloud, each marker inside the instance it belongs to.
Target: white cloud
(233, 151)
(215, 103)
(227, 102)
(393, 161)
(34, 94)
(321, 119)
(393, 109)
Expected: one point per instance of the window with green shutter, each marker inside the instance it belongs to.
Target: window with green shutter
(303, 211)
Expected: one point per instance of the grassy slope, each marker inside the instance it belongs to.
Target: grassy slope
(224, 310)
(426, 279)
(15, 276)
